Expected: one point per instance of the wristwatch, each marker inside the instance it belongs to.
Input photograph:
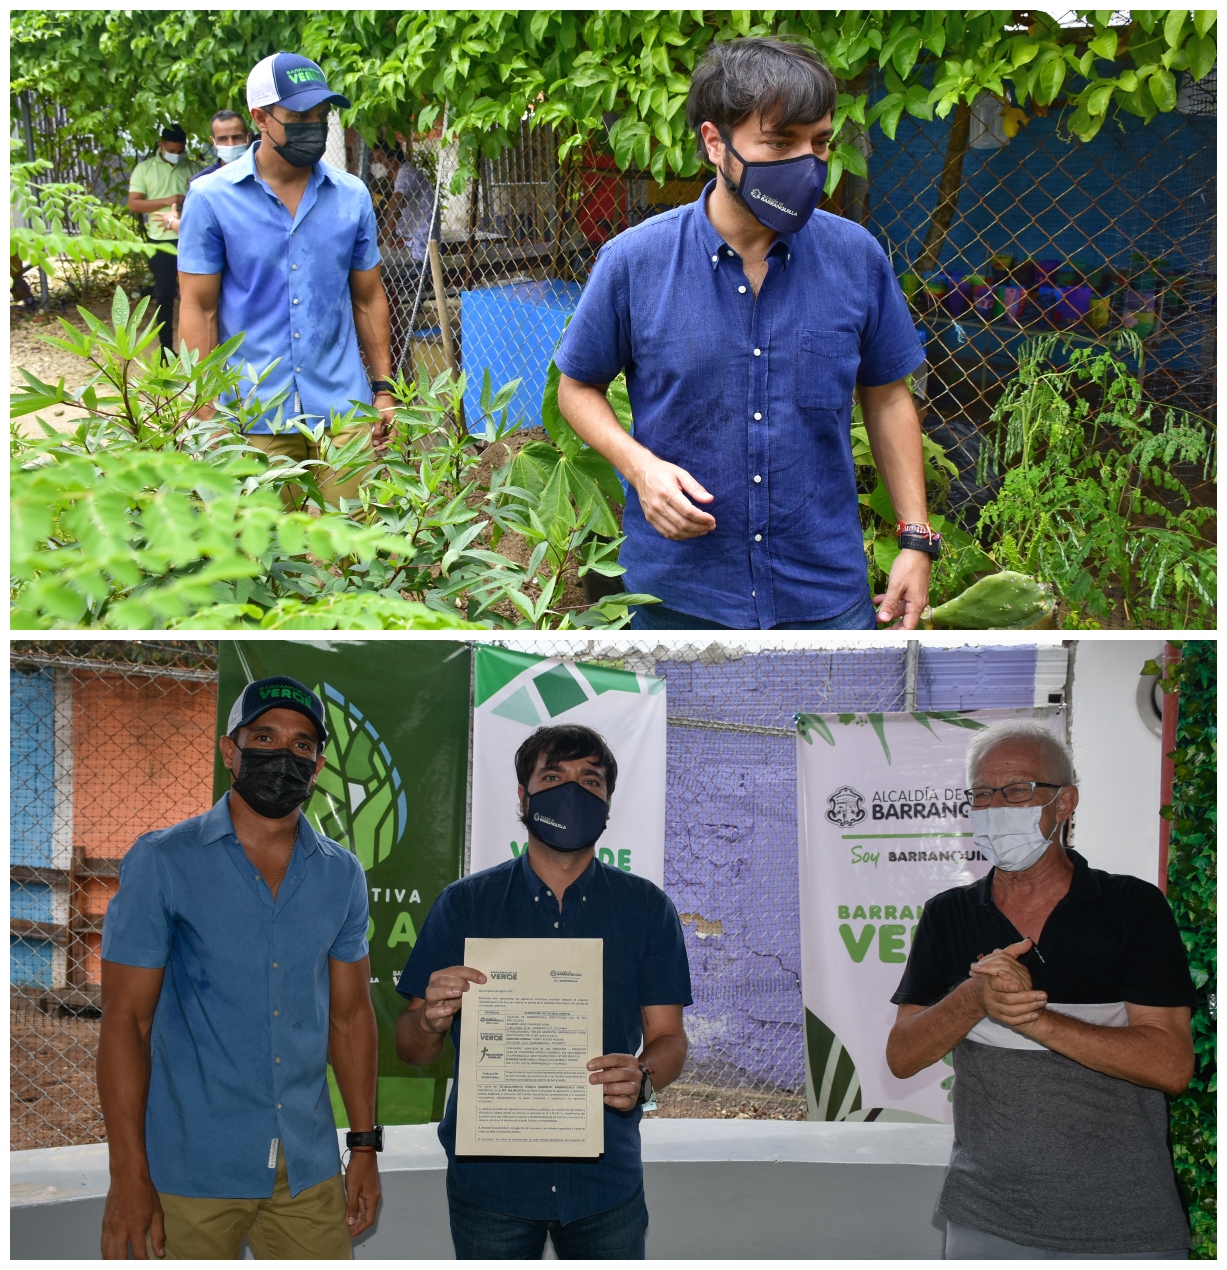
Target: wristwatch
(914, 537)
(368, 1138)
(380, 385)
(646, 1091)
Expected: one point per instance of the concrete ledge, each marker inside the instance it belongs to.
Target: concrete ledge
(721, 1189)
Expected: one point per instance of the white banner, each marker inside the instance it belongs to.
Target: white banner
(515, 693)
(882, 827)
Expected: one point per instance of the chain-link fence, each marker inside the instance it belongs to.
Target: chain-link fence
(998, 231)
(110, 739)
(107, 740)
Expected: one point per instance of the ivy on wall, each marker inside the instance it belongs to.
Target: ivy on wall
(1192, 893)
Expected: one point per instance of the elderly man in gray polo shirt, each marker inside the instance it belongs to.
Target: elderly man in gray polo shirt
(1064, 993)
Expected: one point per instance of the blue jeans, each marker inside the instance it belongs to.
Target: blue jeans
(481, 1234)
(655, 617)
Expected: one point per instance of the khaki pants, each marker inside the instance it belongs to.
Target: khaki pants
(296, 446)
(310, 1225)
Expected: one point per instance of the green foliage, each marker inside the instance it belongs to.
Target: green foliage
(146, 516)
(1192, 891)
(120, 73)
(1090, 501)
(66, 221)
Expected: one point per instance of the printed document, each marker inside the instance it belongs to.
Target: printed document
(526, 1037)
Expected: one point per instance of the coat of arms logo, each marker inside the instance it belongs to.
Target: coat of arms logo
(845, 807)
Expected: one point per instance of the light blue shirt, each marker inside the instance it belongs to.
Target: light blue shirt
(285, 280)
(240, 1034)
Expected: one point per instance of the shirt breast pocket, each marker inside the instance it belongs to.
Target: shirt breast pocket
(826, 369)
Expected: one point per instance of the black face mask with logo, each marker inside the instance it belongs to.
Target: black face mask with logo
(305, 143)
(567, 817)
(274, 782)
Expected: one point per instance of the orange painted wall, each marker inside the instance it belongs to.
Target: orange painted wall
(142, 760)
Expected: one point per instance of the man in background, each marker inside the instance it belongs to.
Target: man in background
(230, 140)
(157, 186)
(282, 247)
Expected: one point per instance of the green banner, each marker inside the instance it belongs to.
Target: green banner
(398, 725)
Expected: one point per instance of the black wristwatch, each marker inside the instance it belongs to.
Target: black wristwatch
(380, 385)
(369, 1138)
(646, 1092)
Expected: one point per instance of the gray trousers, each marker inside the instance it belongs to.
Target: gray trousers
(965, 1244)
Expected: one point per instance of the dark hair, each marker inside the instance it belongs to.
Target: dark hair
(562, 742)
(786, 83)
(172, 132)
(223, 115)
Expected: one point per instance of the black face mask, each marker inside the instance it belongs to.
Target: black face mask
(567, 817)
(304, 143)
(274, 782)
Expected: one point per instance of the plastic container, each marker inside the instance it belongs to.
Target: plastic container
(957, 299)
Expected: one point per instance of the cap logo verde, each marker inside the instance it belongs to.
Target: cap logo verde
(279, 691)
(304, 74)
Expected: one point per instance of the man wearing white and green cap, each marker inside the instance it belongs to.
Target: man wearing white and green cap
(283, 248)
(234, 969)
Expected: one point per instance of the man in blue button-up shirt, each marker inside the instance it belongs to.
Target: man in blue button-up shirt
(234, 965)
(503, 1207)
(742, 346)
(283, 248)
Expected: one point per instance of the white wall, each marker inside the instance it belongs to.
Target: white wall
(1117, 756)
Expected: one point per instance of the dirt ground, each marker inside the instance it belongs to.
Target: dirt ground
(53, 1098)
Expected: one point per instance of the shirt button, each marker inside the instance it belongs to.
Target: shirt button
(295, 299)
(742, 290)
(714, 259)
(731, 253)
(555, 925)
(298, 370)
(278, 1106)
(275, 965)
(550, 893)
(536, 899)
(758, 414)
(758, 352)
(296, 336)
(554, 1189)
(276, 1013)
(758, 480)
(758, 537)
(279, 1060)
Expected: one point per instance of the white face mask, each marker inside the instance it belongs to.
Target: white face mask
(378, 171)
(228, 154)
(171, 158)
(1010, 836)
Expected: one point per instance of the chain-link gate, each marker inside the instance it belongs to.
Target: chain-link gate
(110, 739)
(998, 231)
(107, 740)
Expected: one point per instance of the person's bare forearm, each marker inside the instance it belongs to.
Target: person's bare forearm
(666, 1056)
(371, 323)
(1142, 1054)
(353, 1046)
(921, 1039)
(893, 428)
(143, 206)
(197, 323)
(417, 1044)
(123, 1084)
(586, 409)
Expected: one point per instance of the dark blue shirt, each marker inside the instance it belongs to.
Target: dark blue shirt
(645, 964)
(753, 397)
(240, 1035)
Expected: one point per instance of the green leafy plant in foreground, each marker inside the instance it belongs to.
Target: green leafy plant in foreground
(1192, 891)
(1090, 500)
(147, 516)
